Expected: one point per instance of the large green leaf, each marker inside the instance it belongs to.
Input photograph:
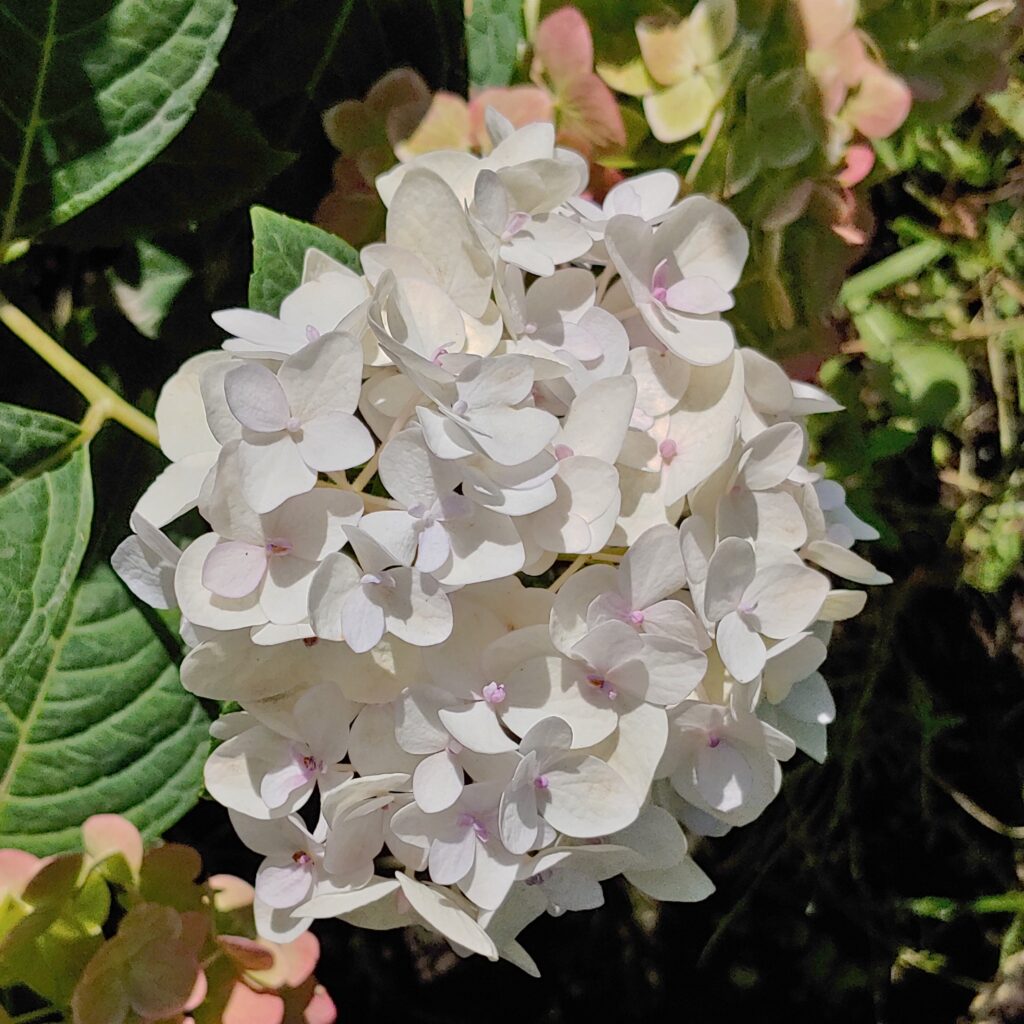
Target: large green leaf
(493, 31)
(218, 162)
(107, 727)
(91, 91)
(45, 512)
(92, 715)
(279, 246)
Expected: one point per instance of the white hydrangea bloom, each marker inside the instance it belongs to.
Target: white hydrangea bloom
(519, 380)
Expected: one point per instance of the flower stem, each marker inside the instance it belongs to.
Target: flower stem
(577, 564)
(366, 473)
(104, 403)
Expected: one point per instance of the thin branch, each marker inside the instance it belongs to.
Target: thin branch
(577, 564)
(706, 145)
(981, 330)
(104, 403)
(999, 369)
(979, 814)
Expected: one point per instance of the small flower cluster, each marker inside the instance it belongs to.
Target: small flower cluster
(123, 935)
(525, 378)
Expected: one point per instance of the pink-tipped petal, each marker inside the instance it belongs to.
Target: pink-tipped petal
(698, 295)
(234, 568)
(284, 885)
(564, 47)
(860, 158)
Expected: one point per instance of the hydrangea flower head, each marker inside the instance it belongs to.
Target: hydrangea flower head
(394, 466)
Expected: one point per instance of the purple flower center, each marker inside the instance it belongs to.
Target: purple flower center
(659, 282)
(278, 547)
(302, 858)
(293, 425)
(713, 740)
(516, 222)
(603, 685)
(377, 579)
(494, 693)
(459, 407)
(541, 782)
(467, 820)
(635, 618)
(312, 333)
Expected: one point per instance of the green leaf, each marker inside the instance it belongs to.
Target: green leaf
(279, 246)
(935, 379)
(900, 266)
(48, 950)
(45, 512)
(92, 91)
(161, 277)
(218, 162)
(1009, 106)
(92, 716)
(106, 727)
(493, 32)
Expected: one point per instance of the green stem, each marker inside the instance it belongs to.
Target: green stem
(901, 266)
(580, 561)
(104, 403)
(999, 369)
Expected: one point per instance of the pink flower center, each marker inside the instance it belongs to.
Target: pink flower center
(659, 282)
(302, 858)
(516, 222)
(713, 740)
(602, 684)
(376, 579)
(494, 693)
(541, 782)
(563, 451)
(635, 618)
(668, 449)
(293, 425)
(278, 547)
(466, 820)
(312, 333)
